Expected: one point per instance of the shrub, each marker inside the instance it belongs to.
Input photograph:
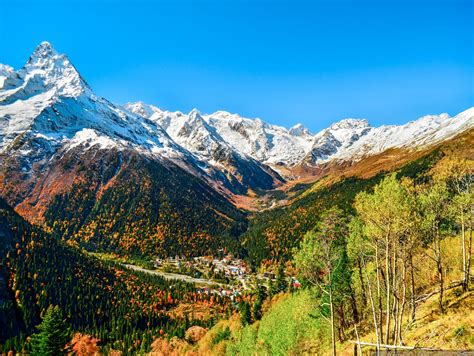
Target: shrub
(221, 335)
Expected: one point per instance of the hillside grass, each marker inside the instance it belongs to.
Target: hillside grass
(290, 326)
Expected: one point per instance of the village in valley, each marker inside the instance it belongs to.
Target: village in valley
(223, 274)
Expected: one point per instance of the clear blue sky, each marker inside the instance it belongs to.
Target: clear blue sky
(313, 62)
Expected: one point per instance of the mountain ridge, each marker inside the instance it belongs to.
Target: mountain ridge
(50, 79)
(346, 140)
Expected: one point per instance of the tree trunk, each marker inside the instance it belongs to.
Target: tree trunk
(469, 250)
(342, 324)
(387, 287)
(413, 296)
(333, 332)
(395, 287)
(441, 288)
(439, 266)
(465, 284)
(372, 304)
(402, 308)
(379, 292)
(362, 288)
(355, 311)
(395, 307)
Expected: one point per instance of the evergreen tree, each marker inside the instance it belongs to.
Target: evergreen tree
(245, 313)
(281, 282)
(272, 288)
(257, 309)
(53, 334)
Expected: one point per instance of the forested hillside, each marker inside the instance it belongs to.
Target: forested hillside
(124, 310)
(136, 206)
(353, 243)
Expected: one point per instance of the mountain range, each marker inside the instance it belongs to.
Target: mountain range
(86, 168)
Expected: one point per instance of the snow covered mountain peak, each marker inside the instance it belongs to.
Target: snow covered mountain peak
(43, 52)
(49, 105)
(350, 124)
(195, 114)
(45, 71)
(141, 109)
(348, 139)
(299, 130)
(5, 71)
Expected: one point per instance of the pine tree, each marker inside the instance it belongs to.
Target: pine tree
(272, 288)
(245, 313)
(257, 305)
(53, 334)
(281, 282)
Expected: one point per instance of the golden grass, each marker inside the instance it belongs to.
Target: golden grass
(453, 330)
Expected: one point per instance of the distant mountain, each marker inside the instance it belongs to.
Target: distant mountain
(276, 146)
(46, 107)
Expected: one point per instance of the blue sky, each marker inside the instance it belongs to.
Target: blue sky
(313, 62)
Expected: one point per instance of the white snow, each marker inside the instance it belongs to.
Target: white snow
(348, 139)
(427, 130)
(142, 109)
(5, 71)
(89, 138)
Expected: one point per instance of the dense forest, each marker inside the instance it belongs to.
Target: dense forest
(124, 309)
(273, 234)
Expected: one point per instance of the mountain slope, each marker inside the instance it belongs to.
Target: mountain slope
(235, 170)
(137, 179)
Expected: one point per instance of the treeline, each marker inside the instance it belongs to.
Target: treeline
(121, 308)
(368, 267)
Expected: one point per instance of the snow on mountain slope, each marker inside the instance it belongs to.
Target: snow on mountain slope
(222, 132)
(46, 70)
(194, 134)
(267, 143)
(49, 103)
(336, 138)
(4, 72)
(46, 108)
(425, 131)
(348, 139)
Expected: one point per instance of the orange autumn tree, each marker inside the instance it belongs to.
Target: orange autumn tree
(83, 345)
